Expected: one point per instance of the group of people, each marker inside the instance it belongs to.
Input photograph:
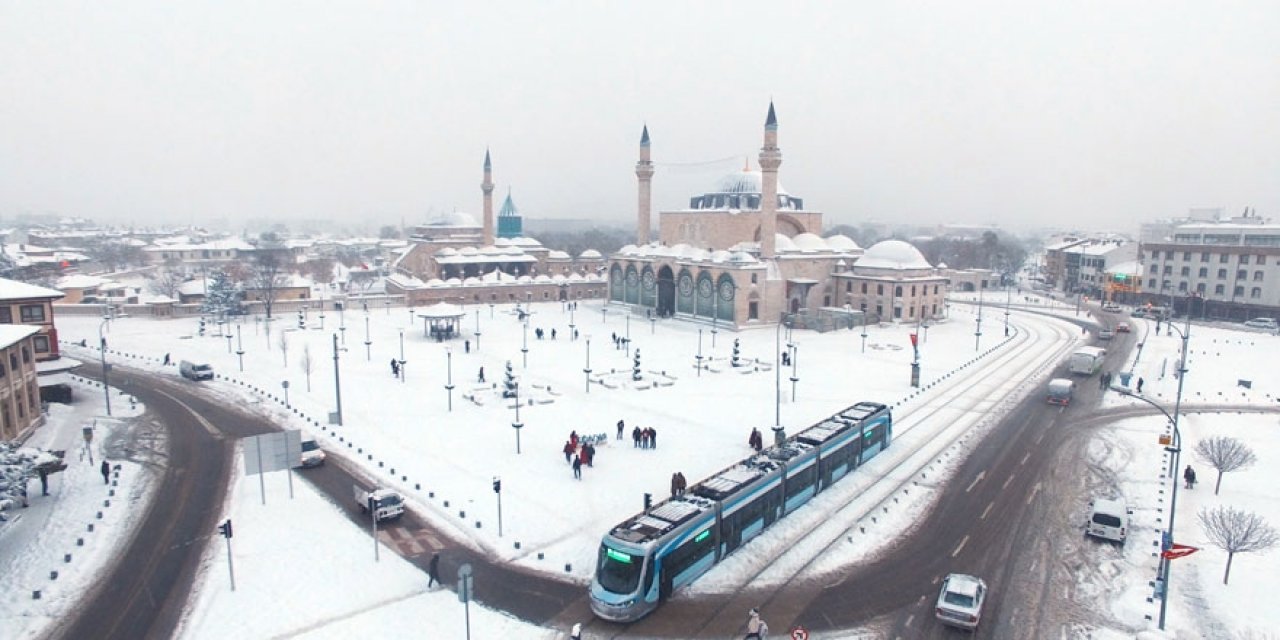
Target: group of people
(619, 342)
(578, 453)
(395, 368)
(1189, 476)
(646, 438)
(678, 484)
(539, 333)
(1104, 380)
(756, 440)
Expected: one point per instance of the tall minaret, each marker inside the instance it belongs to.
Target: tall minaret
(487, 188)
(644, 171)
(770, 160)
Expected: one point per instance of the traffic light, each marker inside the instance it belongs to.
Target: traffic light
(497, 485)
(202, 326)
(225, 528)
(648, 501)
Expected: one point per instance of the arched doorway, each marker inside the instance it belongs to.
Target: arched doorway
(666, 292)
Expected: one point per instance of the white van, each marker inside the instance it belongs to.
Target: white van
(195, 371)
(1109, 520)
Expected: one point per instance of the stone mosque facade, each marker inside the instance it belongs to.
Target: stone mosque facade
(748, 252)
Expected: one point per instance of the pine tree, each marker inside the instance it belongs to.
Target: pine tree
(223, 297)
(635, 366)
(509, 384)
(735, 361)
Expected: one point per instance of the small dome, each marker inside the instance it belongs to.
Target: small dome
(447, 252)
(742, 257)
(435, 282)
(490, 251)
(893, 254)
(629, 250)
(542, 277)
(720, 256)
(557, 255)
(590, 254)
(453, 282)
(809, 242)
(783, 243)
(841, 242)
(468, 251)
(557, 278)
(575, 277)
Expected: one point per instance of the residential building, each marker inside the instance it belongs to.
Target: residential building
(22, 303)
(19, 389)
(1226, 271)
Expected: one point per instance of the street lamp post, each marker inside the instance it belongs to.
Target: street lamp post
(102, 351)
(448, 353)
(239, 348)
(284, 384)
(229, 342)
(342, 321)
(977, 335)
(402, 360)
(524, 348)
(795, 376)
(477, 329)
(1008, 299)
(517, 425)
(698, 358)
(628, 329)
(572, 333)
(337, 379)
(864, 331)
(777, 376)
(587, 370)
(368, 355)
(1185, 334)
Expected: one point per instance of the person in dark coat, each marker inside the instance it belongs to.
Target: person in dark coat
(481, 374)
(675, 484)
(166, 359)
(44, 481)
(590, 450)
(684, 484)
(433, 571)
(466, 346)
(1189, 476)
(1140, 381)
(653, 438)
(553, 334)
(106, 473)
(621, 426)
(635, 436)
(395, 368)
(568, 450)
(577, 467)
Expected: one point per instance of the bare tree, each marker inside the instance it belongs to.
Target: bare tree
(1226, 455)
(166, 282)
(267, 278)
(283, 341)
(307, 364)
(1236, 532)
(320, 270)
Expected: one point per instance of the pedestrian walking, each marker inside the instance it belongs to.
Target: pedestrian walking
(577, 467)
(576, 632)
(575, 334)
(466, 346)
(166, 359)
(481, 374)
(1140, 381)
(589, 454)
(106, 472)
(553, 334)
(756, 628)
(635, 436)
(653, 438)
(568, 451)
(684, 484)
(433, 571)
(44, 481)
(621, 426)
(1189, 477)
(395, 368)
(675, 484)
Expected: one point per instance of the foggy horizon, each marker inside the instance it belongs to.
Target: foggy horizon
(1086, 116)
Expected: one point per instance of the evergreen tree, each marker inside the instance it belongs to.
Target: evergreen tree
(735, 361)
(223, 297)
(509, 383)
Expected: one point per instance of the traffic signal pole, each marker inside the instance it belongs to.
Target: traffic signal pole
(225, 528)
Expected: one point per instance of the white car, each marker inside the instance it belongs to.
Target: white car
(960, 601)
(312, 455)
(1263, 323)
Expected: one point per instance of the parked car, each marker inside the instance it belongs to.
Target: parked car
(960, 601)
(1269, 324)
(1122, 327)
(1106, 334)
(1138, 313)
(1109, 520)
(312, 456)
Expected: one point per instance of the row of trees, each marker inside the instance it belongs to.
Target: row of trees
(1230, 529)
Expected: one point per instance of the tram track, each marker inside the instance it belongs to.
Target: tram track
(706, 614)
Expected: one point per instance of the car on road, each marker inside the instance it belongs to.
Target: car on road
(195, 370)
(1106, 334)
(1122, 327)
(1112, 307)
(1263, 323)
(1109, 520)
(1138, 313)
(312, 456)
(960, 601)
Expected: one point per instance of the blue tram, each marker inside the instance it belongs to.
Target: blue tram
(642, 560)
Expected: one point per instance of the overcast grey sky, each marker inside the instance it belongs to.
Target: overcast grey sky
(1095, 114)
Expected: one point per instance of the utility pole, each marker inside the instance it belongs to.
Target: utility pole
(337, 379)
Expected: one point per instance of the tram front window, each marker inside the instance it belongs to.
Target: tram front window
(617, 571)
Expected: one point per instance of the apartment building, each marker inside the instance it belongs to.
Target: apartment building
(1226, 271)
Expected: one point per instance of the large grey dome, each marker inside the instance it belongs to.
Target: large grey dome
(893, 254)
(741, 190)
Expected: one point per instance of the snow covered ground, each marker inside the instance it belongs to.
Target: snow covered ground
(702, 423)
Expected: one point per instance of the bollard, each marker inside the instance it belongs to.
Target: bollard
(540, 555)
(477, 524)
(462, 514)
(79, 542)
(446, 503)
(568, 567)
(53, 575)
(90, 526)
(517, 545)
(35, 595)
(66, 557)
(99, 515)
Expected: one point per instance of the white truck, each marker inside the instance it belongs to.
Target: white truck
(1087, 360)
(386, 504)
(1060, 391)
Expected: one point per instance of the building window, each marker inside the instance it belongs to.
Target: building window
(1204, 272)
(1155, 269)
(3, 371)
(879, 311)
(934, 310)
(935, 289)
(6, 315)
(26, 354)
(1152, 282)
(897, 312)
(1219, 290)
(1256, 292)
(1257, 275)
(897, 291)
(913, 294)
(13, 361)
(1244, 259)
(879, 290)
(1222, 274)
(848, 286)
(1168, 271)
(1262, 259)
(1182, 286)
(864, 287)
(32, 313)
(1204, 257)
(41, 344)
(1238, 291)
(1186, 271)
(753, 278)
(1224, 258)
(1200, 287)
(1186, 255)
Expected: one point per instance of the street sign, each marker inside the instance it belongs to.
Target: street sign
(88, 434)
(464, 583)
(799, 633)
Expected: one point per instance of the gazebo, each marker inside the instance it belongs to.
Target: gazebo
(440, 321)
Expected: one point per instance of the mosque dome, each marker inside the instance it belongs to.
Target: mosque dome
(809, 242)
(454, 219)
(556, 254)
(590, 254)
(841, 242)
(893, 254)
(741, 190)
(783, 243)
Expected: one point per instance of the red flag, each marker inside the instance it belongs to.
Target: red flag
(1178, 550)
(913, 339)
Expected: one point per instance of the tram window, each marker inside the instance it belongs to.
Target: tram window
(689, 553)
(618, 572)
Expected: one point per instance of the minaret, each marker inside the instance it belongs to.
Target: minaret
(644, 172)
(770, 160)
(487, 188)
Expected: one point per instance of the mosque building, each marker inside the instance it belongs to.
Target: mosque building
(748, 252)
(454, 258)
